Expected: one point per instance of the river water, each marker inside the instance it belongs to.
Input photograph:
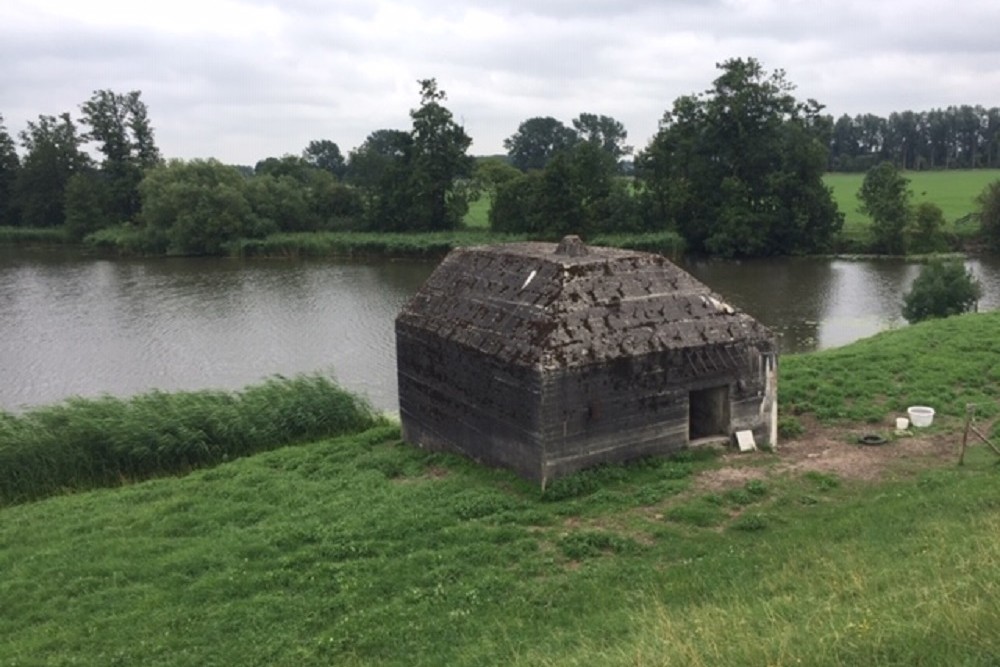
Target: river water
(73, 325)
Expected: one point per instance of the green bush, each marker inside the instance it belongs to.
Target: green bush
(989, 214)
(942, 289)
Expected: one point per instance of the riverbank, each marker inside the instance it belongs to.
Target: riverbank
(361, 550)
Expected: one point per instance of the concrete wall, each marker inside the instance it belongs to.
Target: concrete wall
(547, 424)
(639, 406)
(454, 398)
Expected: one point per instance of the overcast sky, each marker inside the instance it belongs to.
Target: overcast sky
(240, 80)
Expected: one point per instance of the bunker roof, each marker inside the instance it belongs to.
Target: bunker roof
(549, 305)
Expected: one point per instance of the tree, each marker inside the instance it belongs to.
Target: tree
(377, 167)
(52, 156)
(605, 132)
(279, 204)
(195, 207)
(10, 166)
(926, 232)
(537, 141)
(492, 173)
(738, 169)
(119, 123)
(413, 181)
(88, 204)
(942, 289)
(989, 214)
(576, 193)
(325, 154)
(438, 161)
(885, 198)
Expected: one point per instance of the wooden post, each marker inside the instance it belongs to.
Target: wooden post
(969, 409)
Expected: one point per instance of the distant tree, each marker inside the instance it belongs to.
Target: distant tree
(942, 289)
(738, 170)
(279, 204)
(334, 205)
(88, 204)
(325, 154)
(10, 166)
(293, 166)
(885, 198)
(120, 125)
(926, 232)
(195, 207)
(989, 214)
(245, 170)
(414, 181)
(537, 141)
(439, 161)
(378, 165)
(492, 173)
(576, 193)
(52, 155)
(605, 132)
(515, 205)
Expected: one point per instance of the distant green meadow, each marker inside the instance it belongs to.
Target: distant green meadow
(954, 191)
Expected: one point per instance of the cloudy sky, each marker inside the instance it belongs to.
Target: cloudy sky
(241, 80)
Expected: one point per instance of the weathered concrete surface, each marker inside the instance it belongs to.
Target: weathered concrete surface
(548, 359)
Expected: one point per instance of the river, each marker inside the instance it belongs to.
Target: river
(74, 325)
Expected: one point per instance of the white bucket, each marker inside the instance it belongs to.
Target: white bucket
(902, 423)
(920, 415)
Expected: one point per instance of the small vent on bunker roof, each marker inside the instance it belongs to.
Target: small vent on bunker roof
(572, 246)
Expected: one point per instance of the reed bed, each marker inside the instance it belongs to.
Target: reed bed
(46, 235)
(94, 442)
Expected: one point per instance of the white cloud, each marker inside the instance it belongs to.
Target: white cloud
(244, 79)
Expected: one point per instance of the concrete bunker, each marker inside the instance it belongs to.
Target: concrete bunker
(547, 359)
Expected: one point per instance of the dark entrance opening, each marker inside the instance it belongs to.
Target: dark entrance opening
(708, 413)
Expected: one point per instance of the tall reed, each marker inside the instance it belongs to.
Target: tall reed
(92, 442)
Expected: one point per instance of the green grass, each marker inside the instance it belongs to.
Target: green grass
(954, 191)
(942, 363)
(360, 550)
(478, 216)
(85, 443)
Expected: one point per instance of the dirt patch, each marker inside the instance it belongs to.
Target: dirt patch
(835, 450)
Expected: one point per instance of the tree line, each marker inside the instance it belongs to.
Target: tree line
(958, 137)
(735, 170)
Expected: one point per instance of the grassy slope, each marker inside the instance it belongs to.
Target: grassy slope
(361, 550)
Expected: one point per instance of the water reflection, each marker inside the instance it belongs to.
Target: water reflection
(71, 325)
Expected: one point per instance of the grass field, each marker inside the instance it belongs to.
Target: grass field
(478, 216)
(954, 191)
(363, 551)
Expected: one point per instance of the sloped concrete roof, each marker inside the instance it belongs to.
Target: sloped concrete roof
(526, 303)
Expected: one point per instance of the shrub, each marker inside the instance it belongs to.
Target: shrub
(942, 289)
(989, 214)
(885, 197)
(926, 232)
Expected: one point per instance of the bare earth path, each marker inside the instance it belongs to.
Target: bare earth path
(835, 450)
